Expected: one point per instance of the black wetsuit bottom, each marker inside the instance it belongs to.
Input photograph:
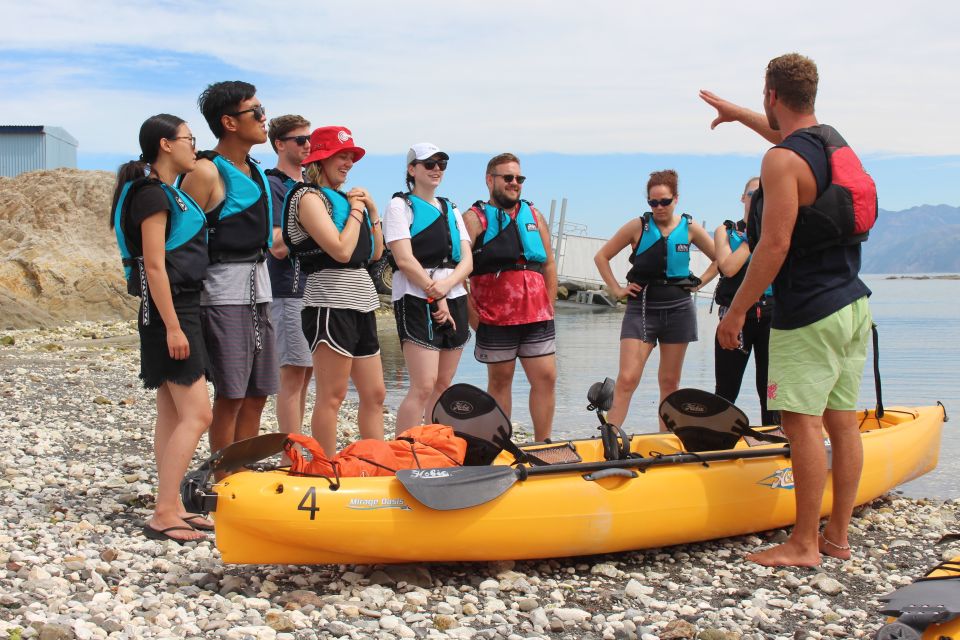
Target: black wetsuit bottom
(730, 364)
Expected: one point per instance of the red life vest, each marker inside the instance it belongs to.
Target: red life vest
(842, 214)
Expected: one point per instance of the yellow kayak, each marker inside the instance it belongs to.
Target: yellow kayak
(928, 609)
(661, 496)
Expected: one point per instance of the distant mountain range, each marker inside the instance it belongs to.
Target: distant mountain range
(924, 239)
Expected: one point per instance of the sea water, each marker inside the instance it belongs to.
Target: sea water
(919, 328)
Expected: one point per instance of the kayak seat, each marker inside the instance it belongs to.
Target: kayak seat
(477, 418)
(704, 421)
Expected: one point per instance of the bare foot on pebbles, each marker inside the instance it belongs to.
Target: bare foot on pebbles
(833, 549)
(786, 555)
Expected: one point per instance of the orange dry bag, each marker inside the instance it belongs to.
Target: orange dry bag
(429, 446)
(319, 465)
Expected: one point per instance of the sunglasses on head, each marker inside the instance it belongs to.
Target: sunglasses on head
(300, 140)
(509, 177)
(430, 165)
(662, 202)
(258, 112)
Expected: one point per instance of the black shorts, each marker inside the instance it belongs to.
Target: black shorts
(663, 322)
(156, 365)
(349, 333)
(415, 324)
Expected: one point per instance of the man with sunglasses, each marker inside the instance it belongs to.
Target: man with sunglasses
(812, 186)
(512, 292)
(233, 191)
(289, 136)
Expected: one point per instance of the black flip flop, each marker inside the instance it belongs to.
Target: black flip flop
(199, 526)
(164, 534)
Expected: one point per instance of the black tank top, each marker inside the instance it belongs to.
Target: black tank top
(811, 287)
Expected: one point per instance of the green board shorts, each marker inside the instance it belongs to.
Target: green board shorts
(819, 366)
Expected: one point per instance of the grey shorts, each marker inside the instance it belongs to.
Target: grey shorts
(505, 343)
(239, 371)
(292, 348)
(667, 323)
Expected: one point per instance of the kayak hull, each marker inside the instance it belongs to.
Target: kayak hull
(272, 517)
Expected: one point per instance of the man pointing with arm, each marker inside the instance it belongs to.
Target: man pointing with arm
(805, 228)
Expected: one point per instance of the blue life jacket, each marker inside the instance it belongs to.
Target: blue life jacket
(728, 286)
(434, 234)
(507, 241)
(659, 260)
(241, 227)
(185, 246)
(308, 255)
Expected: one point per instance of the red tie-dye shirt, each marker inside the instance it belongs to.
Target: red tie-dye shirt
(510, 297)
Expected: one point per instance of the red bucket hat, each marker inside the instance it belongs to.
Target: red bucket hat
(329, 141)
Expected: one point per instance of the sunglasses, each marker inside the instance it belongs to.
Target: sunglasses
(192, 139)
(749, 194)
(300, 140)
(509, 177)
(662, 202)
(430, 165)
(258, 112)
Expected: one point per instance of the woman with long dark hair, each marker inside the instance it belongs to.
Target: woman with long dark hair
(431, 247)
(334, 234)
(162, 237)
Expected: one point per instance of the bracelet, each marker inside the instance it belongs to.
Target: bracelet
(357, 218)
(360, 211)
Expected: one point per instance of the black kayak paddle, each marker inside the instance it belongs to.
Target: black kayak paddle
(449, 488)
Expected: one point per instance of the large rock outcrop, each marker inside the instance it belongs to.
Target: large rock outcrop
(60, 258)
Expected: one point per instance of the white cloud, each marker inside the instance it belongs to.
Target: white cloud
(531, 76)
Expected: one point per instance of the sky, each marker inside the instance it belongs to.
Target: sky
(591, 96)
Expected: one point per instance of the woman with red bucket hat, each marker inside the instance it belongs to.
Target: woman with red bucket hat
(334, 234)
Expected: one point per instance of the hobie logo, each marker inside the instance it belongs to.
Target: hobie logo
(779, 479)
(427, 474)
(693, 407)
(343, 136)
(462, 407)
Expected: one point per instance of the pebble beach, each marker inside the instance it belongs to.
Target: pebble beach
(76, 483)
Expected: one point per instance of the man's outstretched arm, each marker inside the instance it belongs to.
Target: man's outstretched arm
(729, 112)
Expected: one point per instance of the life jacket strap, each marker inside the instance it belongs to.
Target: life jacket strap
(144, 292)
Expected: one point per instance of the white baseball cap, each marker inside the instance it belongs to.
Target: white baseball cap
(424, 150)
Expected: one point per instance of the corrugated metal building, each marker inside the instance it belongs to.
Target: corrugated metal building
(34, 147)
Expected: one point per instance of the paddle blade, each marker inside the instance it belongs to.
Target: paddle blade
(477, 418)
(457, 487)
(703, 421)
(244, 452)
